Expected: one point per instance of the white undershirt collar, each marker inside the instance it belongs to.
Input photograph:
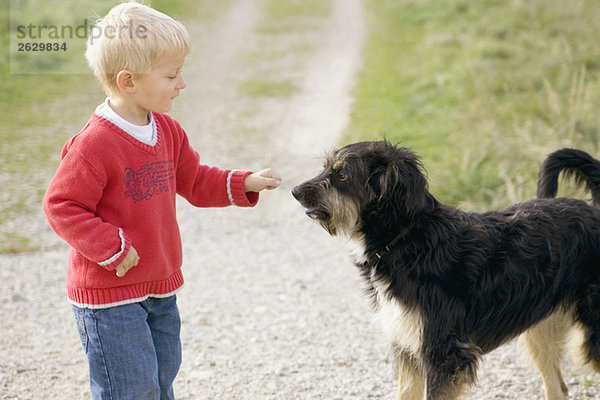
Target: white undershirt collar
(144, 133)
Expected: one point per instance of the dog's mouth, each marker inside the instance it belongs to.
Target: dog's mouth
(306, 196)
(317, 214)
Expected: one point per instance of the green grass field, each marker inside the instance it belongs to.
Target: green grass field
(482, 90)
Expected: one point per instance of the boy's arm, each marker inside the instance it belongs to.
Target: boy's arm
(213, 187)
(205, 186)
(69, 204)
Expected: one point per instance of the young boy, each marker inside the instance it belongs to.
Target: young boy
(113, 200)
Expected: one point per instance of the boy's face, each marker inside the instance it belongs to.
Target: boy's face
(155, 91)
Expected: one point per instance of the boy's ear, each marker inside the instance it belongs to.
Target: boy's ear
(125, 81)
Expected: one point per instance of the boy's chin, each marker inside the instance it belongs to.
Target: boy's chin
(162, 110)
(168, 106)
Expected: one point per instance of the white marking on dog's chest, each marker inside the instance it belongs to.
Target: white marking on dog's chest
(357, 249)
(401, 326)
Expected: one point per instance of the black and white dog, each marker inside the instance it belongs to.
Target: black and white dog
(449, 286)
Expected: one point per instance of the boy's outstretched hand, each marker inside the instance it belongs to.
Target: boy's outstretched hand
(265, 179)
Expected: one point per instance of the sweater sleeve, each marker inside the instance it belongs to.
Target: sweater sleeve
(205, 186)
(70, 203)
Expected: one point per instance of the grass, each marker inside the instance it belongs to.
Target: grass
(277, 9)
(40, 111)
(268, 88)
(282, 27)
(290, 16)
(481, 90)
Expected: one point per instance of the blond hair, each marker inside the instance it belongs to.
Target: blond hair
(132, 37)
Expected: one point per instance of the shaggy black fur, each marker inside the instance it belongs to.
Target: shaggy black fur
(475, 279)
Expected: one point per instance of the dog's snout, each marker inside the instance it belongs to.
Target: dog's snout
(297, 193)
(304, 193)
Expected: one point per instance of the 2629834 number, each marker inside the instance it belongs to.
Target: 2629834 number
(42, 46)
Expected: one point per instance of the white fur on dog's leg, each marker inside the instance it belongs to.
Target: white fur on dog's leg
(545, 343)
(411, 385)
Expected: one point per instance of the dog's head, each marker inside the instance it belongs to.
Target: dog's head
(367, 182)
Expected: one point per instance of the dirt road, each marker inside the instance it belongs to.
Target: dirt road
(272, 307)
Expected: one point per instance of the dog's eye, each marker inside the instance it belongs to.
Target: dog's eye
(342, 175)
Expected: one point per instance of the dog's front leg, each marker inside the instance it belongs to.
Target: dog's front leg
(451, 366)
(411, 385)
(440, 386)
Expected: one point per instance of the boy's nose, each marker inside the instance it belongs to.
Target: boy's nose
(182, 83)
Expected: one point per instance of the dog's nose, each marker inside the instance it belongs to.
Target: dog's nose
(296, 193)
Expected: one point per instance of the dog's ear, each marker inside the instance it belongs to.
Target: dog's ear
(396, 180)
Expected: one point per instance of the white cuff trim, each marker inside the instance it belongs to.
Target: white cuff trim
(116, 256)
(229, 193)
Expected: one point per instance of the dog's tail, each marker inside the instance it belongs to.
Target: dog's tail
(575, 163)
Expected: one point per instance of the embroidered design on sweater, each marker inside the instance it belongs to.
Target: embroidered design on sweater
(149, 180)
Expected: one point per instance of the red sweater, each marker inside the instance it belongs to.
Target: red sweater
(112, 191)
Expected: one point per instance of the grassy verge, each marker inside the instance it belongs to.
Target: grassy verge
(482, 90)
(267, 88)
(40, 111)
(283, 26)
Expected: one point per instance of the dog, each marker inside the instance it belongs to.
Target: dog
(449, 286)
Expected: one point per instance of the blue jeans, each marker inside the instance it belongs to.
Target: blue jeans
(134, 350)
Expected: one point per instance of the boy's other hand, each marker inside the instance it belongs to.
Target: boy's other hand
(130, 261)
(265, 179)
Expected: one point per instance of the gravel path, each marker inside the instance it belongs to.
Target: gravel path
(272, 307)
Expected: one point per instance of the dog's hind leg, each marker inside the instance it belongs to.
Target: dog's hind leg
(411, 385)
(592, 348)
(588, 315)
(545, 342)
